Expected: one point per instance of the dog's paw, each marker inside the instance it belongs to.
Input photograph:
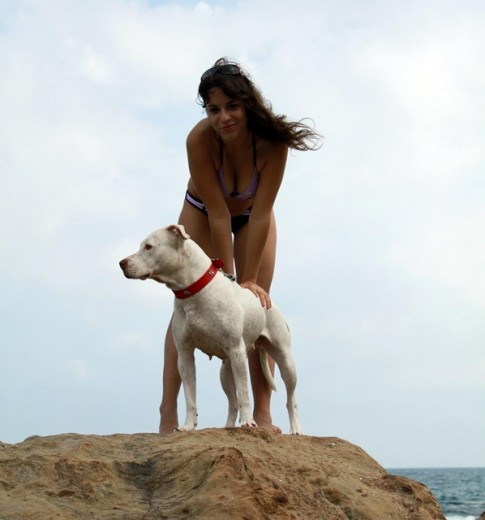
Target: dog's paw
(185, 429)
(296, 429)
(249, 424)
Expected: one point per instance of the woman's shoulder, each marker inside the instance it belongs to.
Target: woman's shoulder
(202, 145)
(201, 133)
(268, 150)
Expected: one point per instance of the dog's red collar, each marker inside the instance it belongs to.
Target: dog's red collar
(201, 282)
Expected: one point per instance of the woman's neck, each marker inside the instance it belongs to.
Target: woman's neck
(234, 146)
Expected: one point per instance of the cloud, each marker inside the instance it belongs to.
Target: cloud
(80, 371)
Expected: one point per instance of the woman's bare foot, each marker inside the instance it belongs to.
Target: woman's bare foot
(168, 420)
(267, 424)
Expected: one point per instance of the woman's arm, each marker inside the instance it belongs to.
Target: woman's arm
(200, 142)
(259, 222)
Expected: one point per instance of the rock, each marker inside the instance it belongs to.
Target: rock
(233, 474)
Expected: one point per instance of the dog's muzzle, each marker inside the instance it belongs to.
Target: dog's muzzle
(130, 271)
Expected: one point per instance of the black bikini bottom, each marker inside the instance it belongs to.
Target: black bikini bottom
(237, 222)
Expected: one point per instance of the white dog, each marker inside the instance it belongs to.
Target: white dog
(216, 315)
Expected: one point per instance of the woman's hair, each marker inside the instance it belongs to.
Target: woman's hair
(236, 84)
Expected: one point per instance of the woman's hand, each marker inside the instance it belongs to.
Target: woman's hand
(263, 296)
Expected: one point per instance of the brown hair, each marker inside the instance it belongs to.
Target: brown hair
(262, 121)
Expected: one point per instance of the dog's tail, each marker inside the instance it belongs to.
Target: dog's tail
(263, 358)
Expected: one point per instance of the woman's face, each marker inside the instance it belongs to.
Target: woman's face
(227, 116)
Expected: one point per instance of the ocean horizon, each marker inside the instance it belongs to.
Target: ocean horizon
(459, 491)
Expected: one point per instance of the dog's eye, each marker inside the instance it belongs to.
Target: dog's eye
(147, 247)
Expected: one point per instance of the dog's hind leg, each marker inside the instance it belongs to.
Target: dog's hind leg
(288, 374)
(281, 354)
(229, 387)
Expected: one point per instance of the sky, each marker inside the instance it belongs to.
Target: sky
(381, 252)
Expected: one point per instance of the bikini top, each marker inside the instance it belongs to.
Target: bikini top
(251, 188)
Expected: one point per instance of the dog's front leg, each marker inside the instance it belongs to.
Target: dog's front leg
(186, 366)
(227, 382)
(239, 367)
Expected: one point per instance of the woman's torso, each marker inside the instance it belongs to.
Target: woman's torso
(237, 176)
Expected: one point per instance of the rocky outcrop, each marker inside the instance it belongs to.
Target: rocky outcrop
(235, 474)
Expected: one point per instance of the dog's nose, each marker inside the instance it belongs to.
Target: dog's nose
(123, 263)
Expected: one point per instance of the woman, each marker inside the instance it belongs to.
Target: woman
(237, 157)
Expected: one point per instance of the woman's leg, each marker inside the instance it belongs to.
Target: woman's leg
(197, 226)
(171, 386)
(261, 390)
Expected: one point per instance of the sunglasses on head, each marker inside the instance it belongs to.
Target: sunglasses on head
(229, 69)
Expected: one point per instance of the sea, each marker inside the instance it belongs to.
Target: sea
(459, 491)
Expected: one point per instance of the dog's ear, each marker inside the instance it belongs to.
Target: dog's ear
(179, 230)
